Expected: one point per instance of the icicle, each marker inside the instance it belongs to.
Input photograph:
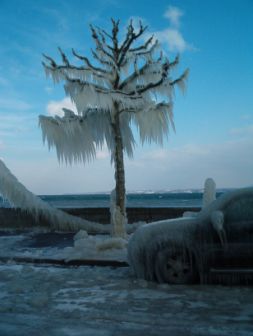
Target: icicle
(153, 122)
(76, 138)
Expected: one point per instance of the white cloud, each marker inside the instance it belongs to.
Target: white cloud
(54, 107)
(172, 37)
(174, 14)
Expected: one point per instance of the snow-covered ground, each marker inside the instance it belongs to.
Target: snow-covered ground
(72, 301)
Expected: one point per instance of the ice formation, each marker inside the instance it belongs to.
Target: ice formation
(209, 195)
(209, 192)
(148, 239)
(118, 221)
(217, 220)
(96, 247)
(179, 235)
(20, 197)
(111, 243)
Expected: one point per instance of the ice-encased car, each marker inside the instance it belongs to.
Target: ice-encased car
(215, 243)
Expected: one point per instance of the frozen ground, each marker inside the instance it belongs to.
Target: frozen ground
(105, 301)
(73, 301)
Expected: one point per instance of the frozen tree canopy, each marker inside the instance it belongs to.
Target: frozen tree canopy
(130, 83)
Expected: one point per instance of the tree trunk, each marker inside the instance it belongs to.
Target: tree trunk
(118, 210)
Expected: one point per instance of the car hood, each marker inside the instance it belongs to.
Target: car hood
(177, 230)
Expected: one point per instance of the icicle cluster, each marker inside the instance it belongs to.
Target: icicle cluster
(75, 138)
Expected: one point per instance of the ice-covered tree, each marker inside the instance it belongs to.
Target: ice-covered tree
(128, 83)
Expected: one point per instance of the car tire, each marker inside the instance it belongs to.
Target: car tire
(175, 266)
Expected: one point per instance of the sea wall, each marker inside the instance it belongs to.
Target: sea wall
(15, 218)
(102, 215)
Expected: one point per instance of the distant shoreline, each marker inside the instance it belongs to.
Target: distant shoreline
(149, 200)
(189, 198)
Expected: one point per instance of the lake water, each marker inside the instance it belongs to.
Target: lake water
(147, 199)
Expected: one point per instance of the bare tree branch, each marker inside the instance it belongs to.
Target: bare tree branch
(105, 33)
(52, 62)
(181, 78)
(144, 88)
(144, 46)
(100, 45)
(141, 71)
(98, 58)
(115, 31)
(65, 69)
(133, 76)
(95, 71)
(100, 89)
(130, 38)
(86, 60)
(64, 57)
(151, 86)
(174, 63)
(149, 51)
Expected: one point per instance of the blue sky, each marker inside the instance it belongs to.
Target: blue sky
(214, 119)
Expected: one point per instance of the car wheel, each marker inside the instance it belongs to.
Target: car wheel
(175, 267)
